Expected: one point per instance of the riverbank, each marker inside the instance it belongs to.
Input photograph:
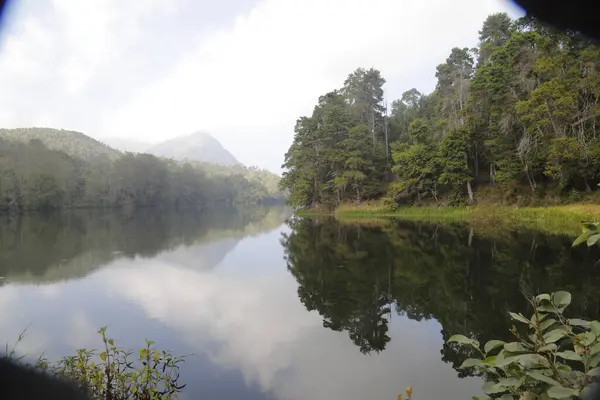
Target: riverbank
(564, 219)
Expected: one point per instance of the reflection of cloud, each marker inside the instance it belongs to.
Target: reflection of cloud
(81, 333)
(255, 323)
(14, 322)
(208, 307)
(50, 291)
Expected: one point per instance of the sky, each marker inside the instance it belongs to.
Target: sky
(242, 70)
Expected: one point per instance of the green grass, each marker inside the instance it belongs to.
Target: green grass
(555, 219)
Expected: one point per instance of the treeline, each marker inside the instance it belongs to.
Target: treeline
(32, 176)
(518, 116)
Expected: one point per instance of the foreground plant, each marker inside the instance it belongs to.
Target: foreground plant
(590, 234)
(552, 357)
(115, 373)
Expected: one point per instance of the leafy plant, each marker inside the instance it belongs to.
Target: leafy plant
(590, 234)
(115, 373)
(552, 357)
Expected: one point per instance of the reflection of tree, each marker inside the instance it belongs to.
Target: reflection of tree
(341, 279)
(352, 276)
(46, 248)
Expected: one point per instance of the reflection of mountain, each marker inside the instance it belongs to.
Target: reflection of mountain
(199, 257)
(37, 248)
(352, 275)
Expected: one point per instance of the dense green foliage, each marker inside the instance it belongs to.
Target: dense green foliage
(34, 176)
(550, 356)
(114, 373)
(518, 114)
(359, 277)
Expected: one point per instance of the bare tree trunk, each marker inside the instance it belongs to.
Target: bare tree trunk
(470, 191)
(476, 162)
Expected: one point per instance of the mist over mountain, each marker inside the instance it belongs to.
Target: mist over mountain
(199, 146)
(132, 146)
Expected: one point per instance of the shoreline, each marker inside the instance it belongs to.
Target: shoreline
(563, 219)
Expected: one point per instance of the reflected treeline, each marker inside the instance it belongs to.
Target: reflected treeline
(46, 248)
(353, 275)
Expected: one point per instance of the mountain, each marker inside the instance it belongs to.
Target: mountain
(199, 146)
(131, 146)
(73, 143)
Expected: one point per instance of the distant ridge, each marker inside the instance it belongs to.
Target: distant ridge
(199, 146)
(75, 144)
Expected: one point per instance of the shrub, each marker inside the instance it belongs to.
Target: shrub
(552, 357)
(115, 373)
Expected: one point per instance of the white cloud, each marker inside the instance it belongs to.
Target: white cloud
(153, 69)
(249, 83)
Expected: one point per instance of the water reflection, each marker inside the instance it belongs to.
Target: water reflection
(217, 286)
(39, 248)
(353, 275)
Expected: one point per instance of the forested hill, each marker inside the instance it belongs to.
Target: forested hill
(516, 118)
(36, 174)
(75, 144)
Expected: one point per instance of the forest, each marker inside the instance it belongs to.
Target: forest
(34, 176)
(513, 120)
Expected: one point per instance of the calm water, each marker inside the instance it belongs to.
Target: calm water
(272, 309)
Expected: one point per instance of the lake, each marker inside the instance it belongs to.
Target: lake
(273, 307)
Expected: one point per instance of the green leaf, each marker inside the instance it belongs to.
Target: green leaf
(542, 297)
(594, 372)
(537, 375)
(518, 317)
(516, 347)
(495, 387)
(537, 318)
(595, 349)
(595, 360)
(593, 239)
(561, 392)
(595, 327)
(470, 362)
(462, 339)
(563, 367)
(561, 299)
(103, 356)
(507, 397)
(555, 335)
(581, 239)
(111, 342)
(586, 338)
(493, 344)
(569, 355)
(548, 307)
(590, 226)
(526, 360)
(490, 361)
(548, 347)
(579, 322)
(547, 324)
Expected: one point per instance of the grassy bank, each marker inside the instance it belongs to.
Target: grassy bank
(564, 219)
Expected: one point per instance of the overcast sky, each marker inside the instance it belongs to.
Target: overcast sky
(242, 70)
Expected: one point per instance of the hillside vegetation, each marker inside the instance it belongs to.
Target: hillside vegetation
(34, 176)
(73, 143)
(515, 120)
